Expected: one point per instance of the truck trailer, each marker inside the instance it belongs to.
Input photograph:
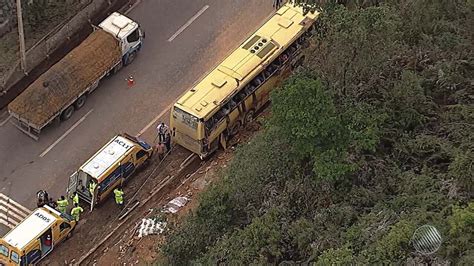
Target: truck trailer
(64, 88)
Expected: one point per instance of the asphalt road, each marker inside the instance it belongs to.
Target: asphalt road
(165, 68)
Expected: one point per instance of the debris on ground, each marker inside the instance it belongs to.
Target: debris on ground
(174, 205)
(151, 226)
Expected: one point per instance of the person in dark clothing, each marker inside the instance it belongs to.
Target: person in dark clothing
(276, 4)
(168, 142)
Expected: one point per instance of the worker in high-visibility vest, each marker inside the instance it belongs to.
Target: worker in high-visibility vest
(92, 186)
(75, 199)
(62, 204)
(76, 212)
(118, 196)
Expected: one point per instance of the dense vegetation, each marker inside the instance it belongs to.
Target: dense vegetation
(372, 139)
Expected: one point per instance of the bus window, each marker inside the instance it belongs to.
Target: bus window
(4, 250)
(257, 81)
(14, 257)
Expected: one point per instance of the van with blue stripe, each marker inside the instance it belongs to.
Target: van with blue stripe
(112, 166)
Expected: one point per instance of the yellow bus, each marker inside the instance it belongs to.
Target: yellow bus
(214, 110)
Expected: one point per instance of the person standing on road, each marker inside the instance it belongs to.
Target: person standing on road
(168, 142)
(276, 4)
(162, 131)
(52, 204)
(76, 212)
(62, 204)
(119, 196)
(75, 199)
(160, 150)
(92, 186)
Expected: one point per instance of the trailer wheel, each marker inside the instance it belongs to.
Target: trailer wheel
(80, 102)
(67, 113)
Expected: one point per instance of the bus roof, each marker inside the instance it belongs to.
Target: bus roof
(106, 157)
(245, 62)
(30, 228)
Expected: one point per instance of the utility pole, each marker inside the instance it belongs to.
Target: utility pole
(21, 36)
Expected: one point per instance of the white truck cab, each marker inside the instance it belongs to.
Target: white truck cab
(127, 31)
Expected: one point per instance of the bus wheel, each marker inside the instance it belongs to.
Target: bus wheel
(235, 128)
(67, 113)
(80, 102)
(69, 235)
(249, 117)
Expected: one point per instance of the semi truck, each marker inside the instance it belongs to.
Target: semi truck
(64, 88)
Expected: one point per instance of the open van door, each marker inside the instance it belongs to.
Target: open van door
(72, 186)
(94, 197)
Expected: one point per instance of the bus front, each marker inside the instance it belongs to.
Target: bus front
(188, 130)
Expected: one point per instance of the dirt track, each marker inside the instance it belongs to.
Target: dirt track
(95, 226)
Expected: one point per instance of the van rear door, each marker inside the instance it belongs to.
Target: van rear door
(72, 186)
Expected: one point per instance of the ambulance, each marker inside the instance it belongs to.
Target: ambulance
(112, 166)
(35, 237)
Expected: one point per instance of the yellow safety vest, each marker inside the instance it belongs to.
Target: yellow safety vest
(92, 187)
(63, 203)
(76, 211)
(75, 199)
(118, 195)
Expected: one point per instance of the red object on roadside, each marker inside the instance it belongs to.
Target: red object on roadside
(47, 241)
(130, 82)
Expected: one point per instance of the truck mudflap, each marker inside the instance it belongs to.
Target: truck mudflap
(25, 128)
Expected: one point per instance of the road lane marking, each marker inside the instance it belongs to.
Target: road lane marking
(66, 133)
(191, 20)
(132, 7)
(5, 121)
(11, 212)
(155, 119)
(18, 205)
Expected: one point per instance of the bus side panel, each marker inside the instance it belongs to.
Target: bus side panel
(217, 131)
(263, 93)
(234, 116)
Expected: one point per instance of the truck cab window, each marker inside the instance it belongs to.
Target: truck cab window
(133, 37)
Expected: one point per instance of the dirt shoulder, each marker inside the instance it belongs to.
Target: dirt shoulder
(154, 188)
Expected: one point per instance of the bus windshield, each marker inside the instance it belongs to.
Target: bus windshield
(185, 118)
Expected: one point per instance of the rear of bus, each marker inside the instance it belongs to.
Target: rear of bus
(187, 129)
(9, 255)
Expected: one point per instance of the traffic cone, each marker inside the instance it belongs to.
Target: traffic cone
(130, 82)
